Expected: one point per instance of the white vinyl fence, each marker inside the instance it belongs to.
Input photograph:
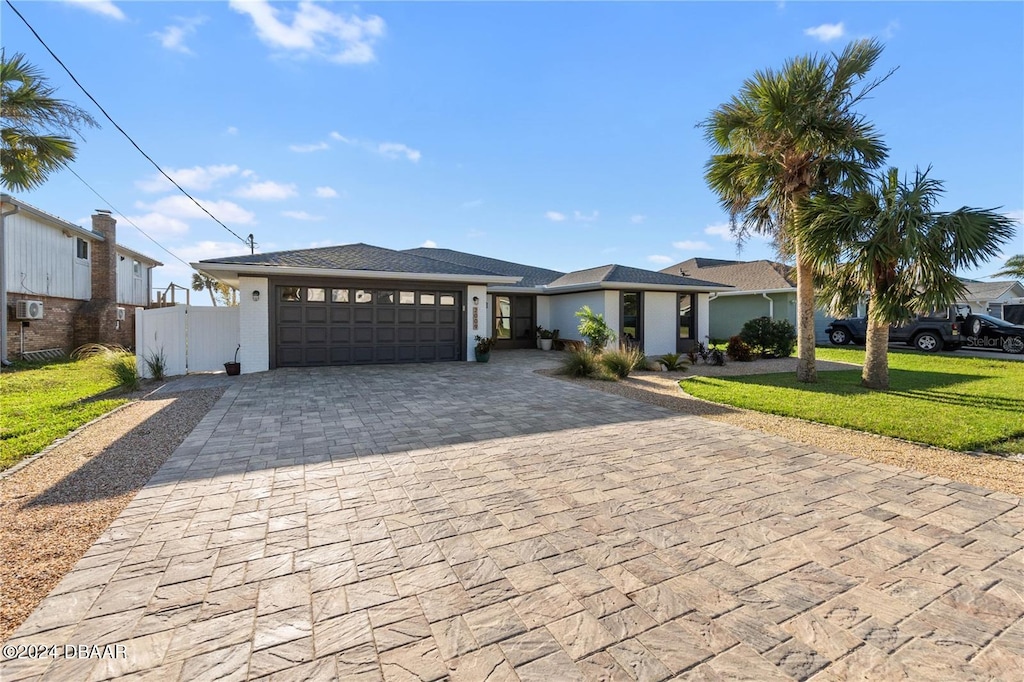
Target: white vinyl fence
(190, 338)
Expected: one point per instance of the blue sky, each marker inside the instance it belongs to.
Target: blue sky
(556, 134)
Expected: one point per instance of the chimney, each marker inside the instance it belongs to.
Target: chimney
(96, 320)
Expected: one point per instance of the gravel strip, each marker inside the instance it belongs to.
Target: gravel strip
(53, 509)
(662, 388)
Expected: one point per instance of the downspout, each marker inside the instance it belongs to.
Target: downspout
(771, 306)
(3, 286)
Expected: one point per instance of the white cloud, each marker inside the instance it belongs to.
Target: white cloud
(306, 148)
(173, 37)
(335, 135)
(661, 260)
(720, 230)
(555, 216)
(313, 30)
(179, 206)
(826, 32)
(890, 29)
(429, 244)
(232, 130)
(1016, 216)
(476, 203)
(689, 245)
(579, 217)
(301, 215)
(198, 178)
(393, 150)
(191, 253)
(266, 191)
(159, 225)
(637, 219)
(104, 7)
(326, 192)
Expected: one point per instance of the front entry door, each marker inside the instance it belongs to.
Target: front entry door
(514, 321)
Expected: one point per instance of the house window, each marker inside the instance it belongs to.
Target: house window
(82, 249)
(137, 268)
(631, 331)
(686, 319)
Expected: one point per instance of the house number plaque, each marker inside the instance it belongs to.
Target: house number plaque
(476, 318)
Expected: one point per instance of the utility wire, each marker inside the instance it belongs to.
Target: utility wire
(127, 219)
(120, 129)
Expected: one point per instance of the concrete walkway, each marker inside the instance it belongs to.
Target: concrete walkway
(481, 522)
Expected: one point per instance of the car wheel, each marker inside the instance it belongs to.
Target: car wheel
(1013, 344)
(927, 341)
(839, 337)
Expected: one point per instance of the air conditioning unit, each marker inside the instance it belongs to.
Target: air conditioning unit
(30, 310)
(120, 314)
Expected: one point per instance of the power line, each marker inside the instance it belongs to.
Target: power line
(127, 219)
(119, 128)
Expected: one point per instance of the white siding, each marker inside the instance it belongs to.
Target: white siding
(212, 337)
(161, 330)
(661, 322)
(39, 258)
(483, 318)
(563, 309)
(132, 290)
(254, 324)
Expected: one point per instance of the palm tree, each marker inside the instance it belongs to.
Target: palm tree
(201, 281)
(1014, 268)
(890, 242)
(35, 126)
(786, 136)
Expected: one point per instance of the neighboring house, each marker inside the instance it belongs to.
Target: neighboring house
(89, 286)
(761, 288)
(362, 304)
(989, 297)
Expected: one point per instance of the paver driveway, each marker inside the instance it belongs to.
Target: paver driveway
(483, 522)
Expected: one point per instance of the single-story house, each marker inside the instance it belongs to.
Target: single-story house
(760, 288)
(989, 297)
(68, 285)
(363, 304)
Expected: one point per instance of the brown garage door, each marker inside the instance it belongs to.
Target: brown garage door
(325, 325)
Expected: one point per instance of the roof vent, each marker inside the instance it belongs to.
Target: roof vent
(103, 211)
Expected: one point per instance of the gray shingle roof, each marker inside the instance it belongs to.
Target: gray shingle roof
(622, 274)
(354, 257)
(758, 275)
(987, 291)
(532, 276)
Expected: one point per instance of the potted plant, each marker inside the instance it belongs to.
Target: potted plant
(234, 368)
(483, 349)
(540, 335)
(547, 337)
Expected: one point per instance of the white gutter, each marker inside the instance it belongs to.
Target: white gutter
(3, 278)
(771, 305)
(230, 270)
(628, 286)
(741, 292)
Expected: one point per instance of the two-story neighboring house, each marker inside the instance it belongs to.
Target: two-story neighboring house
(68, 285)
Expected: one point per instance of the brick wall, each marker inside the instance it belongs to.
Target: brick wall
(96, 321)
(55, 330)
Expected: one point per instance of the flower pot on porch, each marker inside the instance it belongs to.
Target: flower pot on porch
(233, 368)
(545, 344)
(483, 357)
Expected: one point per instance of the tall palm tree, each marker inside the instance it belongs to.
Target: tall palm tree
(1014, 268)
(890, 242)
(202, 281)
(786, 136)
(35, 126)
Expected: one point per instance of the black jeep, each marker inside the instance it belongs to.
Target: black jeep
(929, 332)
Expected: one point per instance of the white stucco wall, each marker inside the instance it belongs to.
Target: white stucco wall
(254, 324)
(483, 318)
(544, 312)
(703, 327)
(563, 312)
(661, 322)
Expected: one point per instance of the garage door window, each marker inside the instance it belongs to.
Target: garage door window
(385, 298)
(339, 295)
(407, 297)
(315, 295)
(447, 299)
(290, 294)
(364, 296)
(426, 299)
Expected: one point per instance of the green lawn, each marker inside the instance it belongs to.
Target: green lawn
(957, 403)
(41, 404)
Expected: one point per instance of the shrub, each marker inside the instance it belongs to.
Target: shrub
(619, 363)
(770, 338)
(673, 362)
(119, 361)
(580, 364)
(739, 350)
(594, 329)
(156, 363)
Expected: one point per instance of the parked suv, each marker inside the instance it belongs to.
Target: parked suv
(931, 332)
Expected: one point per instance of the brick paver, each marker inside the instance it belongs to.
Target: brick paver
(481, 522)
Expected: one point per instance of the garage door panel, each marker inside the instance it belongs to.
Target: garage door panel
(340, 326)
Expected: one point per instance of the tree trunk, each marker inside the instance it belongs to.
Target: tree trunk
(876, 356)
(806, 370)
(213, 299)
